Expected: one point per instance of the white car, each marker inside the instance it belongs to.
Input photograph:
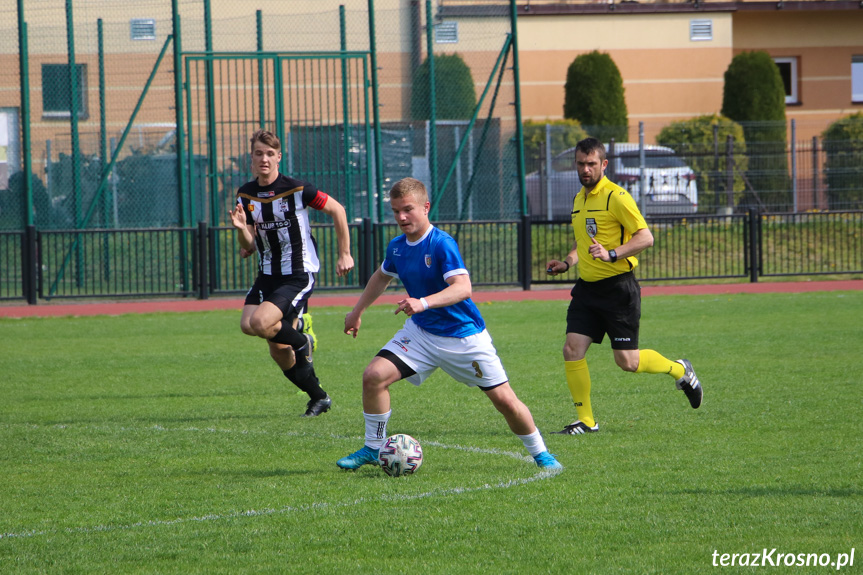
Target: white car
(671, 184)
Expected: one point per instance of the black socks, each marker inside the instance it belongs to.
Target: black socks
(287, 335)
(302, 374)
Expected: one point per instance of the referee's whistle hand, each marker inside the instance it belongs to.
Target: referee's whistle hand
(596, 250)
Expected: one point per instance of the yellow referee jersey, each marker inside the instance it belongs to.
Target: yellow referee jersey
(611, 216)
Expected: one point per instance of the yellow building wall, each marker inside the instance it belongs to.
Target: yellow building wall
(823, 43)
(666, 76)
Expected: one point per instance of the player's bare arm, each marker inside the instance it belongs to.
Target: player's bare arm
(373, 290)
(460, 289)
(555, 267)
(246, 237)
(336, 211)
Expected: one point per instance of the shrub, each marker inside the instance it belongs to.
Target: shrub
(754, 96)
(565, 134)
(594, 96)
(843, 142)
(455, 95)
(702, 142)
(13, 201)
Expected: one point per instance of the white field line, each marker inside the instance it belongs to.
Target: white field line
(541, 474)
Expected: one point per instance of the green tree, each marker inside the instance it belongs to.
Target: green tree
(843, 142)
(702, 142)
(754, 96)
(455, 94)
(594, 96)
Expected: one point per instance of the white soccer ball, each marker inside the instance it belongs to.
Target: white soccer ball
(400, 455)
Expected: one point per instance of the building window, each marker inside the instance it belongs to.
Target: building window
(446, 33)
(700, 30)
(142, 28)
(788, 71)
(857, 79)
(56, 98)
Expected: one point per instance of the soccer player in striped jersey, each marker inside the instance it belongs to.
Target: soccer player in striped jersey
(609, 232)
(271, 217)
(443, 329)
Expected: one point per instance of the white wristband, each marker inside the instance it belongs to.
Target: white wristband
(425, 303)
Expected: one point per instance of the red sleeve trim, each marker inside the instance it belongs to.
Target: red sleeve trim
(320, 200)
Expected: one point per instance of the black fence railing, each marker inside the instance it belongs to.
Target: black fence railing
(203, 261)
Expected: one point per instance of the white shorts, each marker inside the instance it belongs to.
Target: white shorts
(472, 360)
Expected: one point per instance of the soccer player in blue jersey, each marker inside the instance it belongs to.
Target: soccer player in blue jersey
(443, 329)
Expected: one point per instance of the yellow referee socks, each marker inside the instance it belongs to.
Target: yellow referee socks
(650, 361)
(578, 380)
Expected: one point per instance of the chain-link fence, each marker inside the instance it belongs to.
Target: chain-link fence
(121, 86)
(726, 175)
(101, 146)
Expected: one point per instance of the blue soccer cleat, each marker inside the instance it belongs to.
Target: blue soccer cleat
(357, 459)
(546, 460)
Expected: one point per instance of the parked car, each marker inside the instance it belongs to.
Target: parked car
(671, 184)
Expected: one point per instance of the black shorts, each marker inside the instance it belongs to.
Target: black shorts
(610, 306)
(289, 293)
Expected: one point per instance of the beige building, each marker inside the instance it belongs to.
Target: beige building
(673, 55)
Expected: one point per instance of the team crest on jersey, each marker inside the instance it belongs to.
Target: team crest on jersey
(590, 225)
(428, 260)
(269, 194)
(251, 207)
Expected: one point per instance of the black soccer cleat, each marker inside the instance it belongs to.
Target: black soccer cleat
(577, 428)
(316, 407)
(690, 385)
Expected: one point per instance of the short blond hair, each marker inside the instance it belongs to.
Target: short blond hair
(410, 187)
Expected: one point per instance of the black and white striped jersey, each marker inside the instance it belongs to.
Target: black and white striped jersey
(283, 233)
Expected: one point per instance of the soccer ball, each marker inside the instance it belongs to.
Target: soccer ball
(400, 455)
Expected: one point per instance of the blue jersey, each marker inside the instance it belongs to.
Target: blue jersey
(423, 267)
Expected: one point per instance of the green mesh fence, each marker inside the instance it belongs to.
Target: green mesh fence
(103, 129)
(115, 52)
(706, 175)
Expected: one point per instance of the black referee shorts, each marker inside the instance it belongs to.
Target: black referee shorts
(289, 293)
(610, 306)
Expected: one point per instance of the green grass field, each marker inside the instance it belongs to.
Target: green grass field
(169, 443)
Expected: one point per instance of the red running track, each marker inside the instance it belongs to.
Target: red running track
(349, 299)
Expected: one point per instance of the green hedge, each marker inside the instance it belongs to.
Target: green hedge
(594, 96)
(455, 94)
(565, 134)
(843, 142)
(693, 140)
(754, 95)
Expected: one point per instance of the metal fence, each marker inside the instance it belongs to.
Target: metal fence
(720, 177)
(121, 117)
(203, 261)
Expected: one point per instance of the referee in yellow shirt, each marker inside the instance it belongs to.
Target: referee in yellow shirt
(609, 232)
